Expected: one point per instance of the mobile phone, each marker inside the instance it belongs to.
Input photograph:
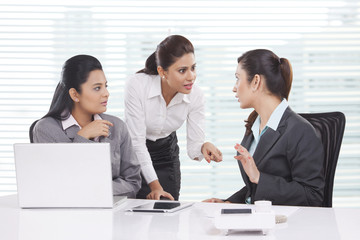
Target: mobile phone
(236, 211)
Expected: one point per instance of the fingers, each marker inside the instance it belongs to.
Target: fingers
(218, 156)
(96, 128)
(244, 154)
(105, 122)
(168, 195)
(211, 153)
(240, 149)
(213, 200)
(104, 130)
(207, 157)
(105, 127)
(248, 163)
(108, 123)
(155, 195)
(243, 159)
(215, 155)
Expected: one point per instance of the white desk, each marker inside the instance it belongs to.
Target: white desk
(195, 222)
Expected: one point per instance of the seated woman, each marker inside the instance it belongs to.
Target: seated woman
(76, 116)
(280, 156)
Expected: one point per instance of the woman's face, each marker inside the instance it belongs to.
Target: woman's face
(242, 88)
(94, 94)
(181, 75)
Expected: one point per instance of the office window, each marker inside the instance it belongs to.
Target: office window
(320, 38)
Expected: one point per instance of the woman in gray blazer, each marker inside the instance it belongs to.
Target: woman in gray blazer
(76, 115)
(280, 157)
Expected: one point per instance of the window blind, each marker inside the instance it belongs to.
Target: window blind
(320, 38)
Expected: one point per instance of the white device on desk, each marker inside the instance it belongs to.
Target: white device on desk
(246, 219)
(161, 207)
(64, 175)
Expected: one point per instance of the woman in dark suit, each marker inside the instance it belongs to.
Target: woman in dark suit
(280, 156)
(76, 115)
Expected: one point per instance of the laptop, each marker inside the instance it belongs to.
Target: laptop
(64, 175)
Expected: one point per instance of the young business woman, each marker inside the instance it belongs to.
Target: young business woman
(158, 100)
(76, 116)
(280, 156)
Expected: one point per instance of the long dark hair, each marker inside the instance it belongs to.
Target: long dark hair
(167, 52)
(277, 72)
(75, 72)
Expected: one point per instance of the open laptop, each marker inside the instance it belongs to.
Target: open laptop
(64, 175)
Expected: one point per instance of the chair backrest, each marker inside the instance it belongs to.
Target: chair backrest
(330, 126)
(31, 131)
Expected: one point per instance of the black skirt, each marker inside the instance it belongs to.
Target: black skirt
(164, 154)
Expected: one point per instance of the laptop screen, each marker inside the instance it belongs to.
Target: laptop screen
(63, 175)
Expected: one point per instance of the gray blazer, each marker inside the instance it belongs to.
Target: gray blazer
(125, 166)
(290, 161)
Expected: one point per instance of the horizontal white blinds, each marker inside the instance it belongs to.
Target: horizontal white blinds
(320, 38)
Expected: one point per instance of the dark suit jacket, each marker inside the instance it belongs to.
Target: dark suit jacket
(290, 161)
(125, 166)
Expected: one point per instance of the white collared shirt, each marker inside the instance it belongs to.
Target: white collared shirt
(70, 121)
(272, 123)
(148, 117)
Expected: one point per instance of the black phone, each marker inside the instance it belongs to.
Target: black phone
(236, 211)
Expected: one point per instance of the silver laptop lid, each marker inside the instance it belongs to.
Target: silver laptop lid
(63, 175)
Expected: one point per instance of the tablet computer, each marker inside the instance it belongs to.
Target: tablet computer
(161, 206)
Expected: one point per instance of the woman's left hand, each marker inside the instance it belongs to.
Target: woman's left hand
(211, 152)
(248, 163)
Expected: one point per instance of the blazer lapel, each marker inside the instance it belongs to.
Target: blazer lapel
(72, 131)
(247, 140)
(269, 138)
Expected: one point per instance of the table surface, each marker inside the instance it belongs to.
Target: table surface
(196, 222)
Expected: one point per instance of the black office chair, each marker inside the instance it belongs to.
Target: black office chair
(330, 126)
(31, 131)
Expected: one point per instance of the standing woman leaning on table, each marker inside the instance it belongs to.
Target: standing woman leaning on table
(76, 115)
(280, 157)
(158, 100)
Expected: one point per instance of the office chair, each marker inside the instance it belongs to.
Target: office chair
(330, 127)
(31, 131)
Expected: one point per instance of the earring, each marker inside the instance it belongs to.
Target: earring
(163, 77)
(76, 100)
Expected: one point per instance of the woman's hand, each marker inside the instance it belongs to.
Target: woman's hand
(95, 129)
(215, 200)
(211, 152)
(248, 163)
(156, 194)
(157, 191)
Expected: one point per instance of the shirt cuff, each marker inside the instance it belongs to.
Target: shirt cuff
(149, 173)
(195, 153)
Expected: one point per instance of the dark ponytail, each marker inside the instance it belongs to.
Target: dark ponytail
(277, 72)
(167, 52)
(287, 74)
(150, 65)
